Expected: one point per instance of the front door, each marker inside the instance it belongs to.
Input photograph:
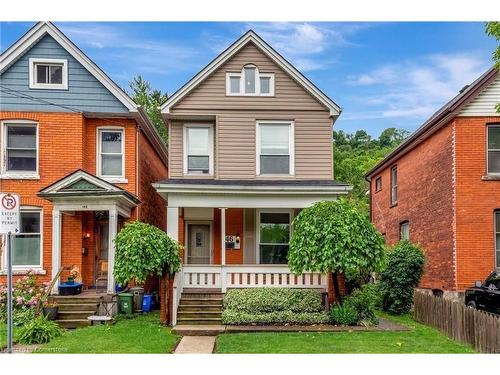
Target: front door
(198, 249)
(101, 255)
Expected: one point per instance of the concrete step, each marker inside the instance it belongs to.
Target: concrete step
(78, 307)
(73, 300)
(200, 308)
(70, 315)
(199, 321)
(73, 323)
(199, 314)
(200, 301)
(202, 295)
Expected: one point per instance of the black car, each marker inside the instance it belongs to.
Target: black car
(485, 296)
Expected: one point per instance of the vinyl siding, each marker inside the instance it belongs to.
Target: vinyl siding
(236, 117)
(84, 94)
(484, 104)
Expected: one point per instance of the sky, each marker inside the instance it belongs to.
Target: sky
(383, 74)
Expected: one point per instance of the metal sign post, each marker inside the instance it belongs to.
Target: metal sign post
(9, 223)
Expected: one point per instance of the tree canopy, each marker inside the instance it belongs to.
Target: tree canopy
(493, 30)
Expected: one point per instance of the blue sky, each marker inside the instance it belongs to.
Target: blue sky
(382, 74)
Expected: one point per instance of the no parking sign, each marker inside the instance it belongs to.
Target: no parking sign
(9, 213)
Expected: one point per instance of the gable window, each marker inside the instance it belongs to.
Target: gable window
(497, 239)
(198, 149)
(48, 73)
(111, 150)
(250, 82)
(20, 148)
(27, 244)
(378, 184)
(275, 148)
(394, 185)
(274, 237)
(494, 149)
(404, 231)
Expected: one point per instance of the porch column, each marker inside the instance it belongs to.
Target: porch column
(56, 247)
(223, 249)
(173, 222)
(113, 229)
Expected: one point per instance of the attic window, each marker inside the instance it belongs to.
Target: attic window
(250, 82)
(49, 74)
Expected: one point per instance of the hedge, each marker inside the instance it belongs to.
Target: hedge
(273, 306)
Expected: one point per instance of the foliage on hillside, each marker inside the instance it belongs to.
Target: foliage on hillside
(355, 154)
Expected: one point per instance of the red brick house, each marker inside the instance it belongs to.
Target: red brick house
(81, 154)
(441, 188)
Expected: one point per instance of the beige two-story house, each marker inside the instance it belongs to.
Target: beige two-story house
(250, 145)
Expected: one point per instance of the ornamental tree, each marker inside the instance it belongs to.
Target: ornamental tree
(143, 250)
(334, 237)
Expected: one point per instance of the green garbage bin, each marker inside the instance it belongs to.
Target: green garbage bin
(125, 303)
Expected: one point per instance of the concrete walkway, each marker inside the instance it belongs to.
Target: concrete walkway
(196, 345)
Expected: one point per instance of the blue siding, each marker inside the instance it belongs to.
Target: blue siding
(84, 94)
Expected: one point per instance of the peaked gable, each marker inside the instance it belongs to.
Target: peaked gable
(252, 38)
(485, 102)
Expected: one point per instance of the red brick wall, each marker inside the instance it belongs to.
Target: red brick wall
(476, 199)
(234, 225)
(425, 199)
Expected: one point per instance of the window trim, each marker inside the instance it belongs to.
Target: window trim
(241, 75)
(488, 126)
(290, 213)
(33, 84)
(4, 173)
(110, 178)
(291, 147)
(495, 232)
(401, 224)
(185, 128)
(18, 269)
(379, 178)
(394, 187)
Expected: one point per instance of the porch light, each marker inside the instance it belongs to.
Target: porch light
(86, 236)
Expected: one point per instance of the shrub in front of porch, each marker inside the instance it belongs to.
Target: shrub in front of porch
(273, 306)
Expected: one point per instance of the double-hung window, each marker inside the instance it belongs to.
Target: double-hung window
(494, 149)
(497, 239)
(48, 74)
(27, 244)
(111, 150)
(274, 237)
(249, 82)
(198, 149)
(394, 185)
(275, 148)
(404, 231)
(20, 148)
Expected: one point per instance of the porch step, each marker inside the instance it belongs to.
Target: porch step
(201, 301)
(74, 310)
(198, 314)
(183, 308)
(199, 321)
(76, 299)
(73, 323)
(198, 308)
(72, 315)
(88, 307)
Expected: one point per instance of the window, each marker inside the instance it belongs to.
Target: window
(20, 148)
(497, 239)
(198, 149)
(274, 237)
(48, 74)
(378, 184)
(404, 231)
(494, 149)
(250, 82)
(394, 185)
(493, 282)
(275, 148)
(27, 244)
(111, 151)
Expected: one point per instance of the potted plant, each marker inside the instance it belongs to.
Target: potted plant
(50, 310)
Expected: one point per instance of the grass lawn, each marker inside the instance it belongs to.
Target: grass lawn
(141, 334)
(3, 335)
(420, 339)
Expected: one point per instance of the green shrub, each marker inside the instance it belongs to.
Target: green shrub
(405, 266)
(345, 315)
(275, 317)
(23, 316)
(375, 294)
(38, 331)
(362, 301)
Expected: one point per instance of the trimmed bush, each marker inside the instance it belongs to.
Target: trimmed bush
(273, 306)
(362, 301)
(344, 315)
(405, 266)
(39, 331)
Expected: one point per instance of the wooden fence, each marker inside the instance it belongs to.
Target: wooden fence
(477, 328)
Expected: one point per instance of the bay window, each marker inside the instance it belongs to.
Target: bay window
(20, 148)
(111, 149)
(275, 153)
(198, 149)
(274, 237)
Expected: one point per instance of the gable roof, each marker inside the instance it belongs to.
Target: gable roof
(440, 118)
(251, 36)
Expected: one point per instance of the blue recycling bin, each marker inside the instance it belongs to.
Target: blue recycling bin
(147, 302)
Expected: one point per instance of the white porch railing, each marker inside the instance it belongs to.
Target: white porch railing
(248, 276)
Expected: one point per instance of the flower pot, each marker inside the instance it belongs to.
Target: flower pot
(51, 312)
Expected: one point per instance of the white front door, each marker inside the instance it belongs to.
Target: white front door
(198, 249)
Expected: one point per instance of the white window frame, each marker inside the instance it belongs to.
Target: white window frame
(403, 224)
(24, 175)
(496, 231)
(210, 149)
(394, 186)
(291, 147)
(241, 76)
(48, 86)
(290, 213)
(109, 178)
(488, 126)
(35, 267)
